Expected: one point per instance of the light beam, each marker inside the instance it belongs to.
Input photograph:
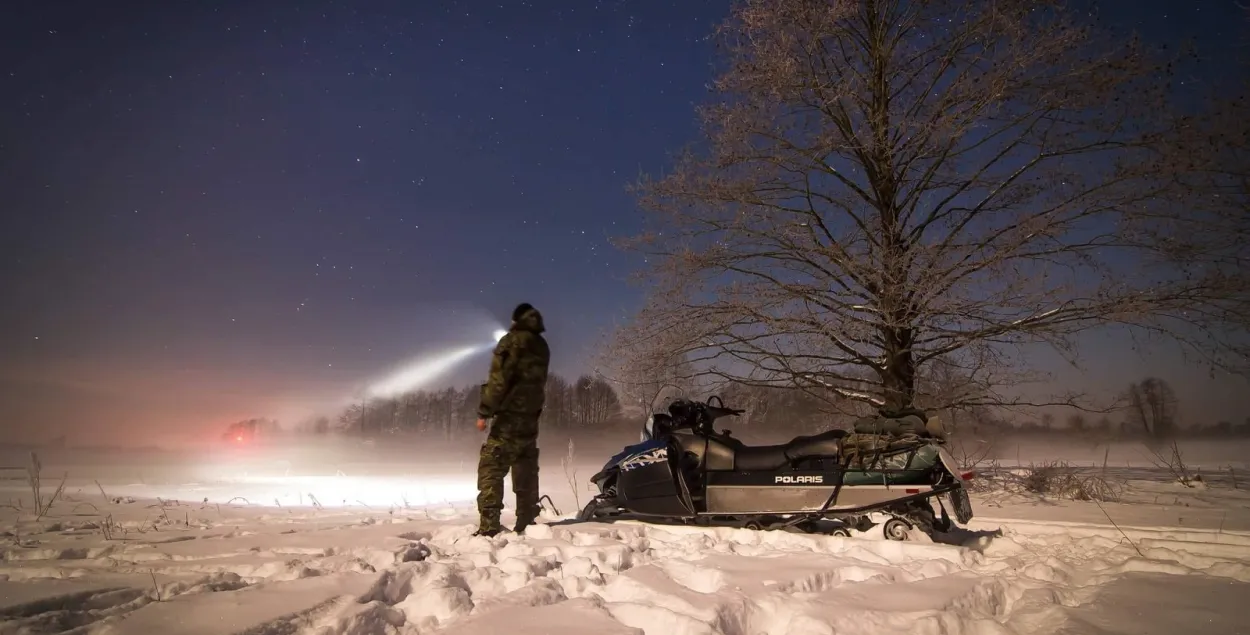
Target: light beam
(422, 372)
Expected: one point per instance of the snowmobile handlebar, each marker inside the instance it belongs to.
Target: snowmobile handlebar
(699, 415)
(714, 413)
(718, 411)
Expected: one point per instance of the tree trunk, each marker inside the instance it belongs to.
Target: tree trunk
(898, 376)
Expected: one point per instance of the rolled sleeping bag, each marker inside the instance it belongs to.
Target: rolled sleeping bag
(893, 426)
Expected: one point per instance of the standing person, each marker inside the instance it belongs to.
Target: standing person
(512, 398)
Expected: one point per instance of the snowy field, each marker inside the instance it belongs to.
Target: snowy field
(363, 540)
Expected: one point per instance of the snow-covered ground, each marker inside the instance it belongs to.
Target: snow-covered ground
(161, 544)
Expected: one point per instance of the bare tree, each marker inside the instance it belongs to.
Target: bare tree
(557, 409)
(595, 402)
(1216, 144)
(756, 401)
(1078, 424)
(888, 183)
(1104, 427)
(644, 363)
(320, 425)
(352, 419)
(1152, 406)
(944, 385)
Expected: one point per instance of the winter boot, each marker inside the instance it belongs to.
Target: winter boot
(526, 515)
(488, 527)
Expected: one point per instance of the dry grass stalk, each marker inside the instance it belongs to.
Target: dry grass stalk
(1055, 479)
(60, 489)
(1172, 460)
(570, 472)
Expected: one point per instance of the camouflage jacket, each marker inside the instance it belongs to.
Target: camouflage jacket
(518, 371)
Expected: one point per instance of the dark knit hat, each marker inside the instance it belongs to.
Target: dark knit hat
(520, 310)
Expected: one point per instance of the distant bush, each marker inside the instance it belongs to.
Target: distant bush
(1054, 479)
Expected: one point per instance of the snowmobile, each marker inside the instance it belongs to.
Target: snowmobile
(683, 471)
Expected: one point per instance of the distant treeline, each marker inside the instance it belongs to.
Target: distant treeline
(1123, 428)
(591, 403)
(587, 403)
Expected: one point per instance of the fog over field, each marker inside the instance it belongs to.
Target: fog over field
(341, 535)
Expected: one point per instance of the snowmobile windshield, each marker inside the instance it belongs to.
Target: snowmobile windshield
(657, 426)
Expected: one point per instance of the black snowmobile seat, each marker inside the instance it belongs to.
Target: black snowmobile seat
(771, 457)
(824, 444)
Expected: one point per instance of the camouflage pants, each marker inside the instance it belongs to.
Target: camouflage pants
(512, 445)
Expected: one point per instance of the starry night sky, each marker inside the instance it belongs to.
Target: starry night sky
(213, 209)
